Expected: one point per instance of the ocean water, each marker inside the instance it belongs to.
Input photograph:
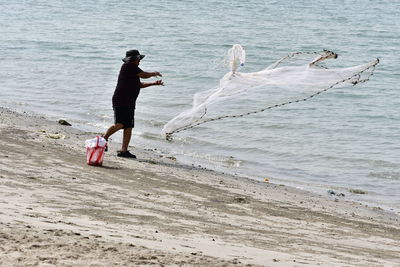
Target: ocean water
(62, 58)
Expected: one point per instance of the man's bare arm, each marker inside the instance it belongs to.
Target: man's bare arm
(145, 75)
(144, 85)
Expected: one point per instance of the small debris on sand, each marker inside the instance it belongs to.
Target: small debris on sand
(64, 122)
(240, 200)
(331, 192)
(357, 191)
(56, 136)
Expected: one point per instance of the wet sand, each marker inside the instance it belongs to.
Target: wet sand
(57, 210)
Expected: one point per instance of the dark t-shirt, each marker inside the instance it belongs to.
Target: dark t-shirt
(128, 86)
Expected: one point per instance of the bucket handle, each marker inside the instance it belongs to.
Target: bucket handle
(97, 141)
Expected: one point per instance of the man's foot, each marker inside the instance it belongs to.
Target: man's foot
(125, 154)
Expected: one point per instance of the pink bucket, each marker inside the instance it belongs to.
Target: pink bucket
(95, 155)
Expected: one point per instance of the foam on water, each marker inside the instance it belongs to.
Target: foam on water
(62, 59)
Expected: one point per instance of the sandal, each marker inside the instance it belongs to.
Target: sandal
(126, 154)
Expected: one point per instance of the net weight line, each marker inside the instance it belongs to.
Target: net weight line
(356, 77)
(324, 54)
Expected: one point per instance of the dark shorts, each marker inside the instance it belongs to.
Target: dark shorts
(125, 116)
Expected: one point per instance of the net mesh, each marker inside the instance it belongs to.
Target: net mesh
(297, 77)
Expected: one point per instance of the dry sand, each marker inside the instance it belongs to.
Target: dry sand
(56, 210)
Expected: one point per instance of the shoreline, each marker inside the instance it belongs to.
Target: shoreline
(53, 204)
(162, 156)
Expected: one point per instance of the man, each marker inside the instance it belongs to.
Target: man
(124, 98)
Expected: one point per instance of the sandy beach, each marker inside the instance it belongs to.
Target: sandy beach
(55, 210)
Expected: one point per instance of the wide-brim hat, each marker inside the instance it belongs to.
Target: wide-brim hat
(132, 55)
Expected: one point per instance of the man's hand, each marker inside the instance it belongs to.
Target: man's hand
(157, 74)
(159, 82)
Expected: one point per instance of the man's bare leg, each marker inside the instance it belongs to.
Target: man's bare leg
(126, 139)
(115, 128)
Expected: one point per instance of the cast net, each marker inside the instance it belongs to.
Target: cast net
(297, 77)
